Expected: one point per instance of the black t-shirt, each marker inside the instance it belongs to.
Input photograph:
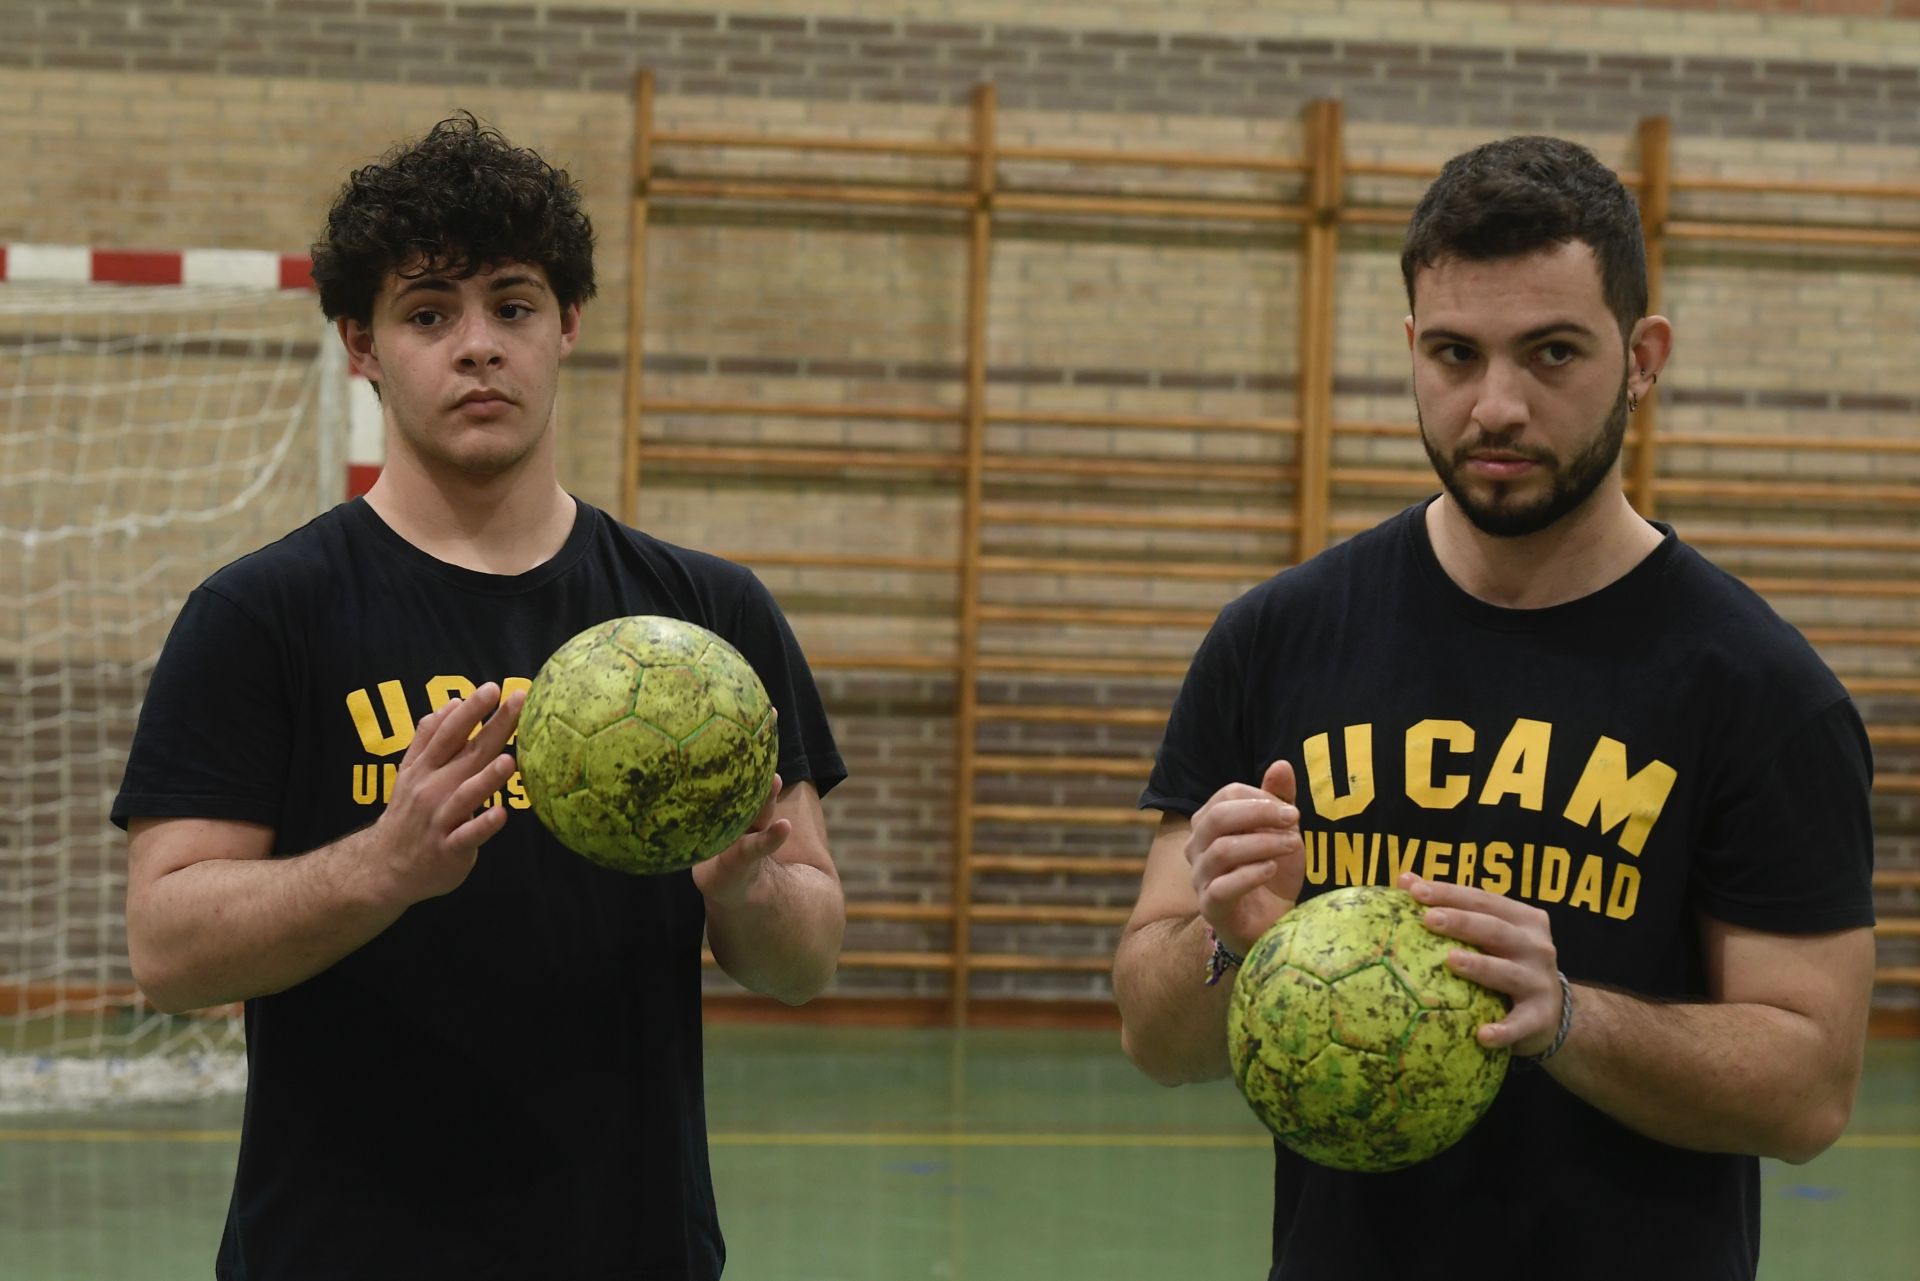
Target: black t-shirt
(1662, 749)
(505, 1083)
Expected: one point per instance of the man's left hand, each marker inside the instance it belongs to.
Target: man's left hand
(731, 875)
(1516, 957)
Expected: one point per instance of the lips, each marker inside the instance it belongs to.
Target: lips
(1499, 464)
(484, 405)
(482, 398)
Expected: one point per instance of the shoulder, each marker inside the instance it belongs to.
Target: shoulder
(720, 594)
(288, 567)
(701, 570)
(1374, 559)
(1739, 634)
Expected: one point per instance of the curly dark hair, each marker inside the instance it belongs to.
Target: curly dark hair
(1519, 195)
(457, 202)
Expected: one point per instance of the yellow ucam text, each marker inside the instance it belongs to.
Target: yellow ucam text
(1608, 797)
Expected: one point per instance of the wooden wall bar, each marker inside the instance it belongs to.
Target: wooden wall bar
(1312, 498)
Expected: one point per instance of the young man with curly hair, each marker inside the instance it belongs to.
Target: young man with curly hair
(473, 1054)
(1594, 756)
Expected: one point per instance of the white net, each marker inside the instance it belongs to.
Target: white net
(148, 435)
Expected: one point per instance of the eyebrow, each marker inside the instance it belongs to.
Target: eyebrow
(1532, 335)
(445, 285)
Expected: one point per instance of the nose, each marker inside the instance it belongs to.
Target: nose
(477, 343)
(1501, 405)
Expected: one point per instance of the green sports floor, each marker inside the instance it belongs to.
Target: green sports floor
(894, 1155)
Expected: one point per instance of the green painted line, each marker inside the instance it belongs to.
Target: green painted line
(1879, 1141)
(902, 1139)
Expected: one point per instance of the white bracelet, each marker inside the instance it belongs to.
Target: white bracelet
(1566, 1023)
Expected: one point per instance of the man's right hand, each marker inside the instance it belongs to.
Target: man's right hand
(214, 917)
(426, 842)
(1247, 858)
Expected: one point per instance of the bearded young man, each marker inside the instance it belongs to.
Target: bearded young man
(472, 1054)
(1595, 757)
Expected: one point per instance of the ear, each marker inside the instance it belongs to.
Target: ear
(358, 340)
(569, 329)
(1409, 331)
(1648, 347)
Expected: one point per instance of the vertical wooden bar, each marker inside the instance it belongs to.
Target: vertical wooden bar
(1319, 243)
(636, 297)
(967, 672)
(1656, 206)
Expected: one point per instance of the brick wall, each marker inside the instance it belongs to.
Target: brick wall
(1521, 71)
(199, 123)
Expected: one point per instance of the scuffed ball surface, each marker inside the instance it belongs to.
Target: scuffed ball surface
(1353, 1042)
(647, 744)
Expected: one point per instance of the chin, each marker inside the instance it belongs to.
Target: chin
(482, 465)
(1509, 524)
(493, 468)
(1521, 517)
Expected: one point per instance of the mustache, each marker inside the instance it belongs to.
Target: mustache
(1502, 445)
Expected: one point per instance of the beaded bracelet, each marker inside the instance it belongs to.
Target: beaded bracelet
(1566, 1023)
(1221, 959)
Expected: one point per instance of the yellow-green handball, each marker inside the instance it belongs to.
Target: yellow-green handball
(647, 744)
(1352, 1040)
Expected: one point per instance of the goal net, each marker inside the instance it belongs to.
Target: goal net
(148, 435)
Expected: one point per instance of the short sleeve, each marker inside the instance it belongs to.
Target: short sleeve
(807, 750)
(1204, 743)
(213, 737)
(1790, 849)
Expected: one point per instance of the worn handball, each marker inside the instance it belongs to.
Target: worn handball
(647, 744)
(1351, 1039)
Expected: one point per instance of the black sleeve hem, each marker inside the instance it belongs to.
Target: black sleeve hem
(1152, 800)
(832, 772)
(130, 807)
(1798, 919)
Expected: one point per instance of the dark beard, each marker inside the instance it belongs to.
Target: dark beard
(1573, 484)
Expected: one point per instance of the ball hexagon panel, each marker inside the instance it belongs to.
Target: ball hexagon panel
(632, 766)
(673, 699)
(1372, 1011)
(1419, 957)
(1353, 933)
(732, 690)
(653, 640)
(1342, 1092)
(1293, 1021)
(556, 746)
(601, 684)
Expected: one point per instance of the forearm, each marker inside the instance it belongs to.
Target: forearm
(224, 930)
(783, 938)
(1172, 1025)
(1712, 1077)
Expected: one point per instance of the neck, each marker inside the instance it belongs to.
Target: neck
(505, 524)
(1582, 552)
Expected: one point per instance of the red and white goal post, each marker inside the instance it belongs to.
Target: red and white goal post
(161, 414)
